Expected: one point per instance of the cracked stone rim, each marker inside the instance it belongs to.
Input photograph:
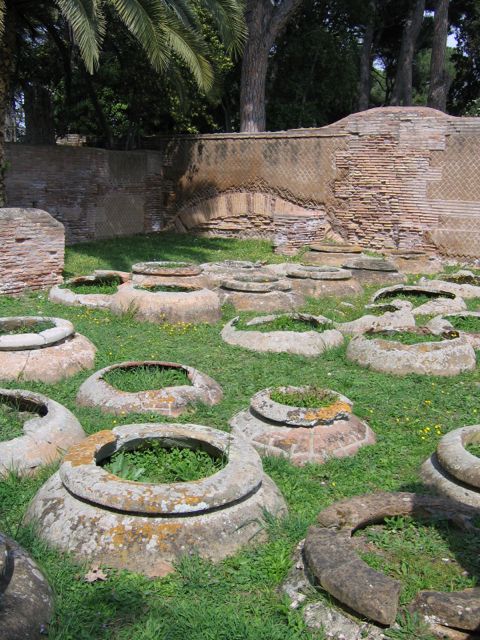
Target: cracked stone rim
(330, 556)
(239, 479)
(45, 436)
(161, 268)
(447, 357)
(262, 404)
(19, 342)
(305, 317)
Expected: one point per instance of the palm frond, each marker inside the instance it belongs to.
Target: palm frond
(229, 19)
(143, 19)
(163, 27)
(184, 10)
(190, 47)
(87, 22)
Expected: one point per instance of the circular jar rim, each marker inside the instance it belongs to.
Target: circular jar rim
(61, 330)
(240, 478)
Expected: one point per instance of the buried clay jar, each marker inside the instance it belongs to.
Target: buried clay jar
(324, 429)
(260, 292)
(49, 355)
(384, 352)
(25, 595)
(171, 399)
(171, 303)
(48, 431)
(145, 527)
(317, 335)
(94, 291)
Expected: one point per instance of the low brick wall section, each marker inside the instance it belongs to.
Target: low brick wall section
(32, 247)
(95, 193)
(392, 177)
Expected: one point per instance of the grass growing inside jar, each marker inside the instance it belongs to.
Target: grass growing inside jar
(146, 378)
(309, 398)
(154, 463)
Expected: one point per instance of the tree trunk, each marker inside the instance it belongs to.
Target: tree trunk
(39, 123)
(439, 79)
(252, 92)
(365, 82)
(265, 21)
(402, 92)
(7, 45)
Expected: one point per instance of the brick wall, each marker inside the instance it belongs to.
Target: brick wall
(390, 177)
(93, 192)
(32, 246)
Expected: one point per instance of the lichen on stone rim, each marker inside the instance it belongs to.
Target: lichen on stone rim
(262, 404)
(82, 476)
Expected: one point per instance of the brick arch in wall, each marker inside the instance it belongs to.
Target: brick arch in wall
(255, 214)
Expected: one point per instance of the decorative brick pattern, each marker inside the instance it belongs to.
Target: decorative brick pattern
(392, 177)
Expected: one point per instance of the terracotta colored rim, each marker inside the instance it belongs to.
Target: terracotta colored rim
(61, 330)
(240, 478)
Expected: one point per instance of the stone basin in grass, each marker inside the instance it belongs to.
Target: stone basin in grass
(49, 355)
(324, 429)
(426, 353)
(317, 335)
(146, 527)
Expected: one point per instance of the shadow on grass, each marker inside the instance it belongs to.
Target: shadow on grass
(121, 253)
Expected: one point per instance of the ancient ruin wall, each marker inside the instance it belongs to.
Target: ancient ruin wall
(94, 193)
(389, 177)
(32, 246)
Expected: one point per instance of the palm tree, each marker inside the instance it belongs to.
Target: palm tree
(163, 28)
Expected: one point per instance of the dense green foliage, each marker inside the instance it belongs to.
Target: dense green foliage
(470, 324)
(238, 598)
(312, 78)
(154, 463)
(104, 286)
(144, 378)
(163, 288)
(423, 555)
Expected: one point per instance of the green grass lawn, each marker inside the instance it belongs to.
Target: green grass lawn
(237, 599)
